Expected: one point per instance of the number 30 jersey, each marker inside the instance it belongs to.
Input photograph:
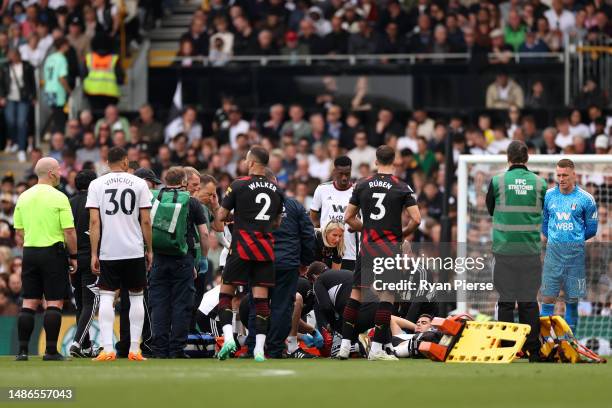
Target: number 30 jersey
(256, 202)
(382, 199)
(119, 197)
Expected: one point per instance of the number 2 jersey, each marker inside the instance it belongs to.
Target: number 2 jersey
(119, 197)
(382, 199)
(256, 202)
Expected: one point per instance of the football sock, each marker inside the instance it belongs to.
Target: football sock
(25, 325)
(137, 314)
(106, 319)
(226, 315)
(52, 321)
(548, 309)
(292, 344)
(403, 349)
(375, 347)
(262, 315)
(571, 315)
(382, 320)
(349, 317)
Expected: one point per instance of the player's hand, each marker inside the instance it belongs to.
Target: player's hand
(95, 265)
(73, 266)
(148, 260)
(195, 273)
(317, 338)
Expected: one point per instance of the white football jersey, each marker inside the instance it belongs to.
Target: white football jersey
(119, 197)
(332, 204)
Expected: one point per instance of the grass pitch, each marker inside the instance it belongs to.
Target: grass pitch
(312, 383)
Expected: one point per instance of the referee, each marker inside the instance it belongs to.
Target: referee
(44, 223)
(515, 200)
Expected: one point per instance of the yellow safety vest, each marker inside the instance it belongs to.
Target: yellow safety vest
(101, 79)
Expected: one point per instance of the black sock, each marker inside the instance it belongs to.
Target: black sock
(225, 309)
(52, 324)
(349, 317)
(382, 322)
(262, 315)
(25, 325)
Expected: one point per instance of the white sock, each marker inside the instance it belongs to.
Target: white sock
(292, 344)
(402, 349)
(346, 343)
(106, 319)
(260, 341)
(376, 347)
(137, 314)
(228, 333)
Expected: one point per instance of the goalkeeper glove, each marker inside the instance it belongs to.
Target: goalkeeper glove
(317, 337)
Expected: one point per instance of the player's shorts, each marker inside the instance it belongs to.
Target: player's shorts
(239, 271)
(129, 273)
(364, 276)
(45, 273)
(569, 278)
(208, 324)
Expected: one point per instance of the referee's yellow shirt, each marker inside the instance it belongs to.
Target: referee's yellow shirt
(43, 213)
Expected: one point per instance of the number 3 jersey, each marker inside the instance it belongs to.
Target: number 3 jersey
(119, 197)
(382, 199)
(256, 202)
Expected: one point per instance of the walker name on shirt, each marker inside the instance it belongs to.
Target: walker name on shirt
(119, 180)
(262, 184)
(520, 187)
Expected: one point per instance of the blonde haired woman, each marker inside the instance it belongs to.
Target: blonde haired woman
(329, 247)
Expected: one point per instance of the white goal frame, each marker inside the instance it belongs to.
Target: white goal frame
(462, 191)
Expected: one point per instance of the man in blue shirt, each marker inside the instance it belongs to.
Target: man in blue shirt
(569, 219)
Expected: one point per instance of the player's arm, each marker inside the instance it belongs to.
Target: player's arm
(67, 223)
(350, 217)
(199, 219)
(545, 215)
(18, 225)
(147, 234)
(490, 199)
(315, 208)
(203, 230)
(591, 220)
(223, 212)
(413, 222)
(94, 238)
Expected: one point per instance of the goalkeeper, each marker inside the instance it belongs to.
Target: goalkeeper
(569, 219)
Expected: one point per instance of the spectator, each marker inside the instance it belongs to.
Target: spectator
(198, 36)
(589, 95)
(425, 125)
(553, 40)
(424, 157)
(537, 97)
(319, 164)
(77, 38)
(321, 25)
(89, 151)
(237, 125)
(57, 146)
(533, 44)
(31, 52)
(17, 93)
(385, 126)
(336, 42)
(394, 14)
(187, 124)
(364, 41)
(560, 19)
(361, 153)
(310, 38)
(113, 120)
(504, 92)
(149, 130)
(7, 306)
(186, 55)
(293, 48)
(515, 30)
(245, 38)
(317, 126)
(57, 89)
(602, 145)
(502, 52)
(334, 127)
(222, 31)
(296, 125)
(272, 127)
(390, 42)
(549, 146)
(265, 43)
(219, 54)
(577, 128)
(564, 138)
(107, 18)
(421, 39)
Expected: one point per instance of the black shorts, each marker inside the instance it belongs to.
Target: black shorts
(129, 273)
(45, 273)
(238, 271)
(348, 264)
(364, 276)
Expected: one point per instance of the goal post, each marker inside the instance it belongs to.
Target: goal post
(474, 225)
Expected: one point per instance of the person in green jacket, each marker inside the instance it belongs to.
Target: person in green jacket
(515, 199)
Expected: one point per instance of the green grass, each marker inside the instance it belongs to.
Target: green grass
(314, 383)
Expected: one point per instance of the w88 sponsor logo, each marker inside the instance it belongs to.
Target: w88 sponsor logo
(565, 226)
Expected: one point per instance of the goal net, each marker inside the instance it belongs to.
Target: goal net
(474, 227)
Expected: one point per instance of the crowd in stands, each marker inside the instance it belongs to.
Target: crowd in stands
(303, 143)
(224, 29)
